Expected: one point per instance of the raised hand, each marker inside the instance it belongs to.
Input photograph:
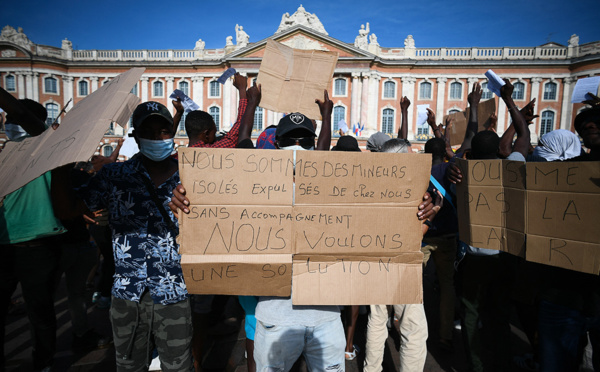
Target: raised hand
(404, 103)
(475, 95)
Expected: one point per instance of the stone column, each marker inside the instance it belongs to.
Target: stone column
(36, 86)
(408, 91)
(144, 88)
(535, 94)
(169, 80)
(502, 113)
(21, 85)
(373, 102)
(28, 84)
(198, 91)
(471, 81)
(94, 80)
(441, 95)
(67, 89)
(370, 128)
(355, 103)
(226, 107)
(567, 106)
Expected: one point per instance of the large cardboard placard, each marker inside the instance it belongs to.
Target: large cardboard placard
(490, 204)
(460, 120)
(292, 79)
(563, 204)
(75, 139)
(232, 242)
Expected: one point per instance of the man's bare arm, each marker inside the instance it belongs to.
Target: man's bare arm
(326, 107)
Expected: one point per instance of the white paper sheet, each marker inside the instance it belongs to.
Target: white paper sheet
(494, 82)
(422, 114)
(186, 102)
(583, 87)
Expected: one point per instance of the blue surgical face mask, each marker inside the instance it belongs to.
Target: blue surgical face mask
(156, 150)
(297, 147)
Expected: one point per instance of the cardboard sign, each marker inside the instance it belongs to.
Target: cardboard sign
(563, 204)
(460, 120)
(234, 238)
(75, 139)
(490, 205)
(292, 79)
(357, 280)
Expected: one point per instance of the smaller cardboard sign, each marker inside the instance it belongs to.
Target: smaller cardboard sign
(248, 275)
(356, 230)
(568, 254)
(236, 176)
(353, 178)
(357, 280)
(292, 79)
(236, 230)
(460, 120)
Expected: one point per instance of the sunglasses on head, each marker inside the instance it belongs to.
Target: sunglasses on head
(304, 142)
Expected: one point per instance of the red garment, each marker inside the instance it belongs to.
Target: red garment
(230, 140)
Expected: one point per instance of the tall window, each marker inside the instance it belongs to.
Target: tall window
(181, 127)
(550, 91)
(134, 90)
(158, 88)
(339, 113)
(83, 88)
(485, 92)
(456, 90)
(11, 84)
(339, 87)
(387, 121)
(215, 112)
(215, 89)
(52, 109)
(184, 86)
(425, 90)
(258, 120)
(50, 85)
(518, 91)
(547, 124)
(389, 89)
(107, 150)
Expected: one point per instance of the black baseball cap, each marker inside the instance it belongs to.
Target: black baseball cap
(297, 122)
(147, 109)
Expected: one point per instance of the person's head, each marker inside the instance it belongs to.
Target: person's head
(266, 140)
(346, 143)
(200, 126)
(396, 145)
(14, 131)
(295, 132)
(587, 125)
(485, 145)
(377, 140)
(436, 147)
(153, 130)
(560, 144)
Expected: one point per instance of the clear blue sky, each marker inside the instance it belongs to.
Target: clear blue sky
(155, 24)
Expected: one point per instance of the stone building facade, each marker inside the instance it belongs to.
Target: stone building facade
(368, 82)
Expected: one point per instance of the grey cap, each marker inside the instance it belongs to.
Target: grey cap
(377, 140)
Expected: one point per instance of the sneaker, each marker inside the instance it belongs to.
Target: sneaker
(90, 340)
(103, 303)
(96, 297)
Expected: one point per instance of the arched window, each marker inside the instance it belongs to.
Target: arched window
(158, 89)
(52, 109)
(550, 91)
(181, 127)
(387, 121)
(10, 83)
(339, 113)
(518, 91)
(547, 124)
(215, 89)
(258, 120)
(456, 90)
(485, 92)
(215, 112)
(184, 86)
(389, 89)
(83, 88)
(107, 150)
(425, 90)
(50, 85)
(339, 87)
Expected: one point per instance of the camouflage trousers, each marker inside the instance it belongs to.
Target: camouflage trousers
(139, 327)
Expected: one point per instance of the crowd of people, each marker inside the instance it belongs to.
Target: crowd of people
(130, 210)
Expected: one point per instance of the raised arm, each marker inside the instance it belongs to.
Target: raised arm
(437, 133)
(403, 130)
(472, 126)
(178, 113)
(326, 108)
(253, 94)
(518, 120)
(449, 152)
(20, 115)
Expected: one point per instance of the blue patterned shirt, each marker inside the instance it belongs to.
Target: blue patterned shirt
(146, 253)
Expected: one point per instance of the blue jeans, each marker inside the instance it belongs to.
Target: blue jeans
(276, 348)
(560, 331)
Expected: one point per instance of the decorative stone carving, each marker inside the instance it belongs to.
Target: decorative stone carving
(362, 40)
(536, 80)
(569, 80)
(241, 37)
(442, 80)
(15, 36)
(409, 42)
(67, 45)
(408, 80)
(472, 80)
(574, 40)
(373, 39)
(301, 17)
(7, 53)
(229, 41)
(302, 42)
(200, 44)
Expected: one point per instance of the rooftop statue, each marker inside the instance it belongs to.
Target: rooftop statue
(301, 17)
